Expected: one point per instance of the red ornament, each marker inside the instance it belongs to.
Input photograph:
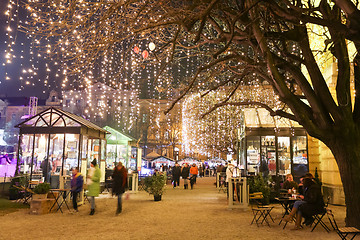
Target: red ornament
(145, 54)
(136, 49)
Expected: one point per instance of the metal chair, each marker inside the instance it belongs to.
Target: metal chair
(222, 184)
(344, 231)
(318, 217)
(261, 212)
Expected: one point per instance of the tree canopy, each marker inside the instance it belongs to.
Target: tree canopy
(285, 44)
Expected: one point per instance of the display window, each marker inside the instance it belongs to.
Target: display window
(300, 157)
(277, 155)
(283, 147)
(115, 154)
(268, 153)
(253, 154)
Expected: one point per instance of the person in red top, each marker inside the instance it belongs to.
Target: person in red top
(193, 174)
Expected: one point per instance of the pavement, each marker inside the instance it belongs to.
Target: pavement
(201, 213)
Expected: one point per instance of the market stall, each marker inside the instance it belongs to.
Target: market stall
(122, 148)
(214, 162)
(54, 141)
(162, 161)
(189, 161)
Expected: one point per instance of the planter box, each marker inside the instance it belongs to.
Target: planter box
(41, 206)
(39, 196)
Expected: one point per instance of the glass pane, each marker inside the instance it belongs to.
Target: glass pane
(253, 154)
(133, 159)
(300, 159)
(103, 149)
(84, 147)
(26, 148)
(71, 152)
(284, 155)
(58, 122)
(94, 146)
(268, 155)
(111, 156)
(41, 148)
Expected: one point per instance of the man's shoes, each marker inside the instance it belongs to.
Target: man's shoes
(309, 221)
(92, 211)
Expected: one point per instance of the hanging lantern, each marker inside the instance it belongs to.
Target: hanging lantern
(136, 49)
(151, 46)
(145, 54)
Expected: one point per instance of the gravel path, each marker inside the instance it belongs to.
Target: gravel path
(201, 213)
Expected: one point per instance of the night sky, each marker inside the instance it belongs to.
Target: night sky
(10, 88)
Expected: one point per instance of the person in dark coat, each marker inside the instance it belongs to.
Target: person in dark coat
(314, 202)
(185, 172)
(311, 204)
(119, 185)
(176, 172)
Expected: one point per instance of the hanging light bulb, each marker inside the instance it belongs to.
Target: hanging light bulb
(152, 46)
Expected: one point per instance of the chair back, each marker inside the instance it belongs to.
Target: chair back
(256, 198)
(332, 220)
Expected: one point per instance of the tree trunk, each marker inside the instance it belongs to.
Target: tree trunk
(347, 156)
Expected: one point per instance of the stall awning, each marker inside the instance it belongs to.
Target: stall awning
(152, 155)
(162, 159)
(118, 137)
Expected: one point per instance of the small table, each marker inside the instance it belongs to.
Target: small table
(64, 193)
(286, 203)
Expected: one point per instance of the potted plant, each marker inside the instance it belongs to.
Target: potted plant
(258, 184)
(41, 190)
(155, 185)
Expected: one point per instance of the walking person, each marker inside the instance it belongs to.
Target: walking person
(93, 184)
(185, 172)
(193, 174)
(77, 183)
(176, 173)
(119, 185)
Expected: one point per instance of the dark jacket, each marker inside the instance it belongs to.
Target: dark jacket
(119, 181)
(314, 202)
(77, 183)
(176, 172)
(185, 172)
(290, 185)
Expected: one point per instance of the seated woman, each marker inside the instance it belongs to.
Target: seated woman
(311, 204)
(290, 184)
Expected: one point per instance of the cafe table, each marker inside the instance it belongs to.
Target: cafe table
(60, 198)
(287, 203)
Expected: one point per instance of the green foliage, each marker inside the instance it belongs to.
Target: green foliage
(316, 178)
(42, 188)
(258, 184)
(16, 181)
(155, 184)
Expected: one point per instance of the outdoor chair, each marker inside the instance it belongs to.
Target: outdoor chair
(222, 184)
(318, 218)
(261, 212)
(141, 184)
(344, 231)
(86, 197)
(25, 194)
